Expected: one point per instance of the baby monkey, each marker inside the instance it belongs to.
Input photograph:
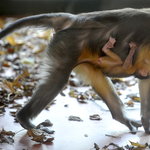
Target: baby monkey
(113, 61)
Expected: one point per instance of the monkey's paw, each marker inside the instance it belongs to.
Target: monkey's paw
(24, 121)
(133, 125)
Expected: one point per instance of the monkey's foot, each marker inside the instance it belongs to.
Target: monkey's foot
(109, 44)
(146, 125)
(133, 125)
(24, 121)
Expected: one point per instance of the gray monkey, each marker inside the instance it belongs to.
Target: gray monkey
(82, 37)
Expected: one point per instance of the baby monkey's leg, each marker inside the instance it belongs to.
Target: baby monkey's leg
(128, 61)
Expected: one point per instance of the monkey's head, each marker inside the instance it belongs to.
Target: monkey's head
(142, 74)
(142, 64)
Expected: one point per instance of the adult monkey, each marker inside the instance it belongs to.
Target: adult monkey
(81, 37)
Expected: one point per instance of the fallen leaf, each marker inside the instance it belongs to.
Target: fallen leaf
(11, 40)
(8, 86)
(7, 132)
(82, 98)
(134, 96)
(39, 135)
(74, 118)
(95, 117)
(137, 144)
(15, 39)
(112, 136)
(2, 109)
(2, 52)
(6, 136)
(73, 94)
(46, 123)
(92, 95)
(43, 128)
(116, 147)
(16, 106)
(6, 64)
(130, 103)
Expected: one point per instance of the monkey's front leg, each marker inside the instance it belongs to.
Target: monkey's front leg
(104, 87)
(144, 87)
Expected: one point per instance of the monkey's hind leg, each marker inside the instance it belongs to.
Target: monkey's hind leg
(104, 87)
(59, 64)
(144, 87)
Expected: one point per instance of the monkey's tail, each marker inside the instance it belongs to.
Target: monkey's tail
(46, 21)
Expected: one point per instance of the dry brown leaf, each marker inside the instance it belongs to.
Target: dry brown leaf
(82, 98)
(95, 117)
(8, 86)
(6, 136)
(11, 87)
(39, 135)
(14, 39)
(6, 64)
(119, 93)
(72, 94)
(16, 82)
(116, 147)
(2, 109)
(130, 103)
(26, 73)
(7, 132)
(11, 40)
(2, 52)
(134, 96)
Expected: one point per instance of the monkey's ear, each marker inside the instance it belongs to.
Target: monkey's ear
(143, 72)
